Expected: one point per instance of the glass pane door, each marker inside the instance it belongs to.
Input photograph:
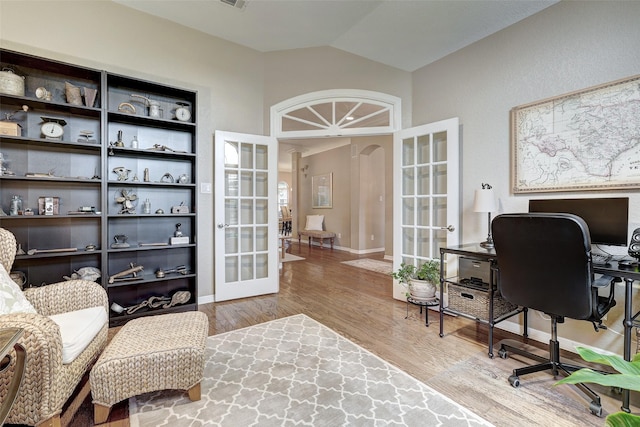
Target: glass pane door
(426, 192)
(246, 256)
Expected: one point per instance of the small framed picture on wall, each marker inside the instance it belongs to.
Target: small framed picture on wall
(322, 190)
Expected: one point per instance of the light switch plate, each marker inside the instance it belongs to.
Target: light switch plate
(205, 187)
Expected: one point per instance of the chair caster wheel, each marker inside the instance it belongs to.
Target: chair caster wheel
(595, 408)
(503, 353)
(514, 381)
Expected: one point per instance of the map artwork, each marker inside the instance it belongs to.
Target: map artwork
(586, 140)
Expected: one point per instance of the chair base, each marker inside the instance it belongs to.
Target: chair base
(552, 364)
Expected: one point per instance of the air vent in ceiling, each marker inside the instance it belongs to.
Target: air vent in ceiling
(238, 4)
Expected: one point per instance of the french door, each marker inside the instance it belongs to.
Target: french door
(246, 215)
(426, 188)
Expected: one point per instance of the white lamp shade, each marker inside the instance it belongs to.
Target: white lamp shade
(485, 201)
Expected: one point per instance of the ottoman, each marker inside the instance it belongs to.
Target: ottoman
(149, 354)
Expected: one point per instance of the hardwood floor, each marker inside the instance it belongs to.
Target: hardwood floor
(358, 304)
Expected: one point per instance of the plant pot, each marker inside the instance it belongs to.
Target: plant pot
(422, 290)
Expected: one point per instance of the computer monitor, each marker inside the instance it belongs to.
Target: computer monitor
(607, 218)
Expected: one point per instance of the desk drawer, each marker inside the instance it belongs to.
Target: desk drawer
(474, 270)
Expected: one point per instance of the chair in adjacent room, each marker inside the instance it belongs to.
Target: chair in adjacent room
(287, 218)
(544, 263)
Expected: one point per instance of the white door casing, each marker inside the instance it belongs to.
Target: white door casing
(336, 112)
(246, 216)
(426, 188)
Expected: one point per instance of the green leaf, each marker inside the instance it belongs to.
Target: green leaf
(622, 419)
(586, 375)
(615, 361)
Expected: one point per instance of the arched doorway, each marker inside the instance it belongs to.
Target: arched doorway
(347, 115)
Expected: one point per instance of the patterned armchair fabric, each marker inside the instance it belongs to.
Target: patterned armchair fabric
(47, 383)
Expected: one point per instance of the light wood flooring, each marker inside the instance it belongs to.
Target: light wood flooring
(358, 304)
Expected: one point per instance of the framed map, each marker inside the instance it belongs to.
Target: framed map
(585, 140)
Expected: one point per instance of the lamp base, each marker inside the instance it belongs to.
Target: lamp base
(487, 245)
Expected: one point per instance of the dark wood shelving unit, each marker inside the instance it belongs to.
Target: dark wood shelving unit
(82, 176)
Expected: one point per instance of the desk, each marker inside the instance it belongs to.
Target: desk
(9, 339)
(628, 274)
(475, 251)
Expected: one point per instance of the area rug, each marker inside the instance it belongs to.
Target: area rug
(297, 372)
(289, 257)
(371, 264)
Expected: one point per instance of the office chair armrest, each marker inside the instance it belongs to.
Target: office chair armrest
(603, 281)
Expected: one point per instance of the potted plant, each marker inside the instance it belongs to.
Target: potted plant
(422, 280)
(627, 378)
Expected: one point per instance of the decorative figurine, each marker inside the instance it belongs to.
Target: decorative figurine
(90, 96)
(130, 273)
(128, 200)
(120, 241)
(85, 136)
(122, 172)
(72, 93)
(119, 142)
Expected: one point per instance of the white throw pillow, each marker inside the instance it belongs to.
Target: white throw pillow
(314, 222)
(78, 328)
(12, 300)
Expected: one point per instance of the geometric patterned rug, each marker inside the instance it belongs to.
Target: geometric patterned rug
(371, 264)
(297, 372)
(289, 258)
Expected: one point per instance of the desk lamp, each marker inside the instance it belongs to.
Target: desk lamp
(485, 201)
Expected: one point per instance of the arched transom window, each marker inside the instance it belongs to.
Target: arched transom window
(336, 113)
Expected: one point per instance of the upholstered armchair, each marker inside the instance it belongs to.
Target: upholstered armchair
(60, 343)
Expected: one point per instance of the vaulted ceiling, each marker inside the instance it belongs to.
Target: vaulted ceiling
(406, 34)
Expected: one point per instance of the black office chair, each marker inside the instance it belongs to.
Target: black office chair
(544, 263)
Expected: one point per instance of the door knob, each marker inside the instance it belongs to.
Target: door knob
(221, 225)
(449, 228)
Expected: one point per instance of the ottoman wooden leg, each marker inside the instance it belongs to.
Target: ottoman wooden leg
(194, 392)
(100, 413)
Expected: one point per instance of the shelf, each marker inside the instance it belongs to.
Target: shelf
(51, 217)
(150, 278)
(150, 184)
(121, 319)
(138, 216)
(138, 248)
(34, 142)
(38, 104)
(116, 152)
(79, 252)
(467, 284)
(136, 119)
(84, 181)
(82, 175)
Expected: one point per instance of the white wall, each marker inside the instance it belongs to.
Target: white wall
(296, 72)
(107, 36)
(567, 47)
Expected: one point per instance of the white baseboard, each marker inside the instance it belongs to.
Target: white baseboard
(342, 248)
(205, 299)
(544, 337)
